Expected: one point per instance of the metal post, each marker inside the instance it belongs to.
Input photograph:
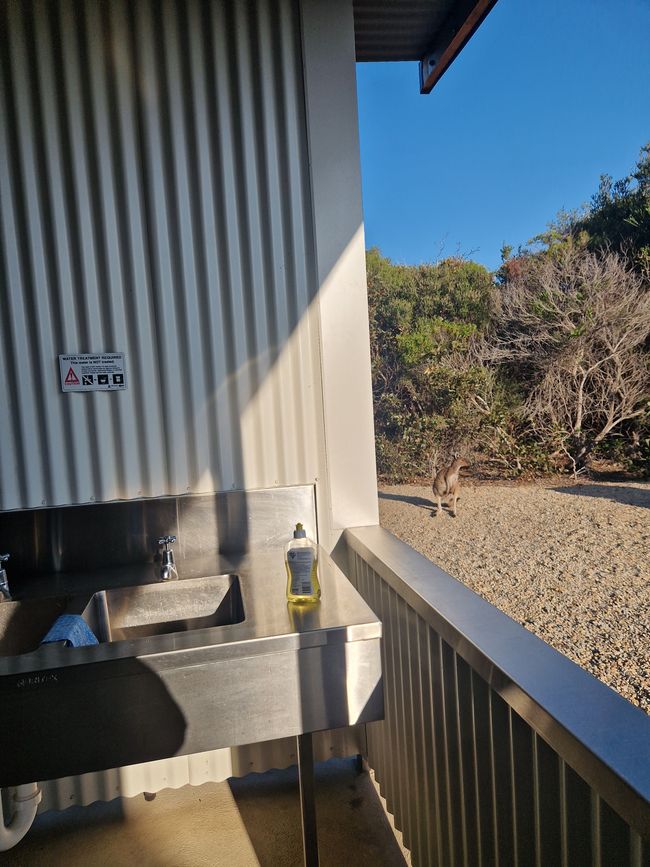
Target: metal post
(307, 799)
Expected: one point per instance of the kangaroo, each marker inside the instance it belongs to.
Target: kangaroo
(446, 484)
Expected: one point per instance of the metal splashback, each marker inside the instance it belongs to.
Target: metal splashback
(155, 201)
(82, 539)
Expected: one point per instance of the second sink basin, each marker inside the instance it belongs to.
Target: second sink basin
(159, 609)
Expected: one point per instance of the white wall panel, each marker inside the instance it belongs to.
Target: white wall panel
(348, 497)
(155, 200)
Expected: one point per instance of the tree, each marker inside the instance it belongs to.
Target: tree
(574, 325)
(617, 218)
(420, 317)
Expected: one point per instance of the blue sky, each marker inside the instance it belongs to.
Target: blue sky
(547, 96)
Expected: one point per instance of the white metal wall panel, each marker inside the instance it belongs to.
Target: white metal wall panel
(154, 200)
(349, 496)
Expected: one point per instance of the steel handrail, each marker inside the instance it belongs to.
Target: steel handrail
(597, 732)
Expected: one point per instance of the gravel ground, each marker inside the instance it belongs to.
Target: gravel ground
(569, 563)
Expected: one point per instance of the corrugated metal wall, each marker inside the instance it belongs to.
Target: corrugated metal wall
(195, 770)
(154, 200)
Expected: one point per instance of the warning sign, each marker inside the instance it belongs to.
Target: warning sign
(87, 372)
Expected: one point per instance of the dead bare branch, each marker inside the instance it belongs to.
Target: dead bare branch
(579, 322)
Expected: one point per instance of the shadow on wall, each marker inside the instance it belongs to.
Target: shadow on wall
(628, 495)
(182, 224)
(352, 825)
(194, 225)
(159, 202)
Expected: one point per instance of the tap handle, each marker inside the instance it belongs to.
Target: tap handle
(166, 541)
(4, 558)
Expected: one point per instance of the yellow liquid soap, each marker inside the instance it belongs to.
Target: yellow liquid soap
(301, 561)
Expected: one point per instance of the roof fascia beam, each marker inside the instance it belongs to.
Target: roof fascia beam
(457, 31)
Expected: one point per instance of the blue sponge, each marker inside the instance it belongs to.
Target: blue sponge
(72, 629)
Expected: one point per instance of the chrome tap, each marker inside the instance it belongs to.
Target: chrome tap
(168, 566)
(4, 583)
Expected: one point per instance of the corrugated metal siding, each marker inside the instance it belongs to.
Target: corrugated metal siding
(154, 199)
(468, 781)
(195, 770)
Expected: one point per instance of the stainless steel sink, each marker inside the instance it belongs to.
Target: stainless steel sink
(179, 669)
(24, 624)
(146, 610)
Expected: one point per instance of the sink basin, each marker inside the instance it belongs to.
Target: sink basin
(126, 612)
(23, 624)
(146, 610)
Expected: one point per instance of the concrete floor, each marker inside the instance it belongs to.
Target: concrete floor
(250, 821)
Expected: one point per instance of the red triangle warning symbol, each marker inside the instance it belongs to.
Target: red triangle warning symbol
(71, 378)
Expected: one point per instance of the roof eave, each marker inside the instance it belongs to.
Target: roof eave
(450, 41)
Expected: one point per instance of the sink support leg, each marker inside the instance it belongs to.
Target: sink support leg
(307, 799)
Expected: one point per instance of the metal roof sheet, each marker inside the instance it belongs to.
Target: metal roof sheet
(402, 30)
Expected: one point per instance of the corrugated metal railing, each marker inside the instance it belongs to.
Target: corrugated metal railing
(495, 749)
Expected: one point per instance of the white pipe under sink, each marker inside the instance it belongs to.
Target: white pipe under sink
(25, 802)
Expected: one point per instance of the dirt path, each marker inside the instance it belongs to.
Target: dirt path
(572, 564)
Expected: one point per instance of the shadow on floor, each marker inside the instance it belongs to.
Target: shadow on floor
(249, 821)
(404, 498)
(420, 502)
(352, 826)
(617, 493)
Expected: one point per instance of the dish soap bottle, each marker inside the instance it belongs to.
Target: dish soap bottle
(301, 559)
